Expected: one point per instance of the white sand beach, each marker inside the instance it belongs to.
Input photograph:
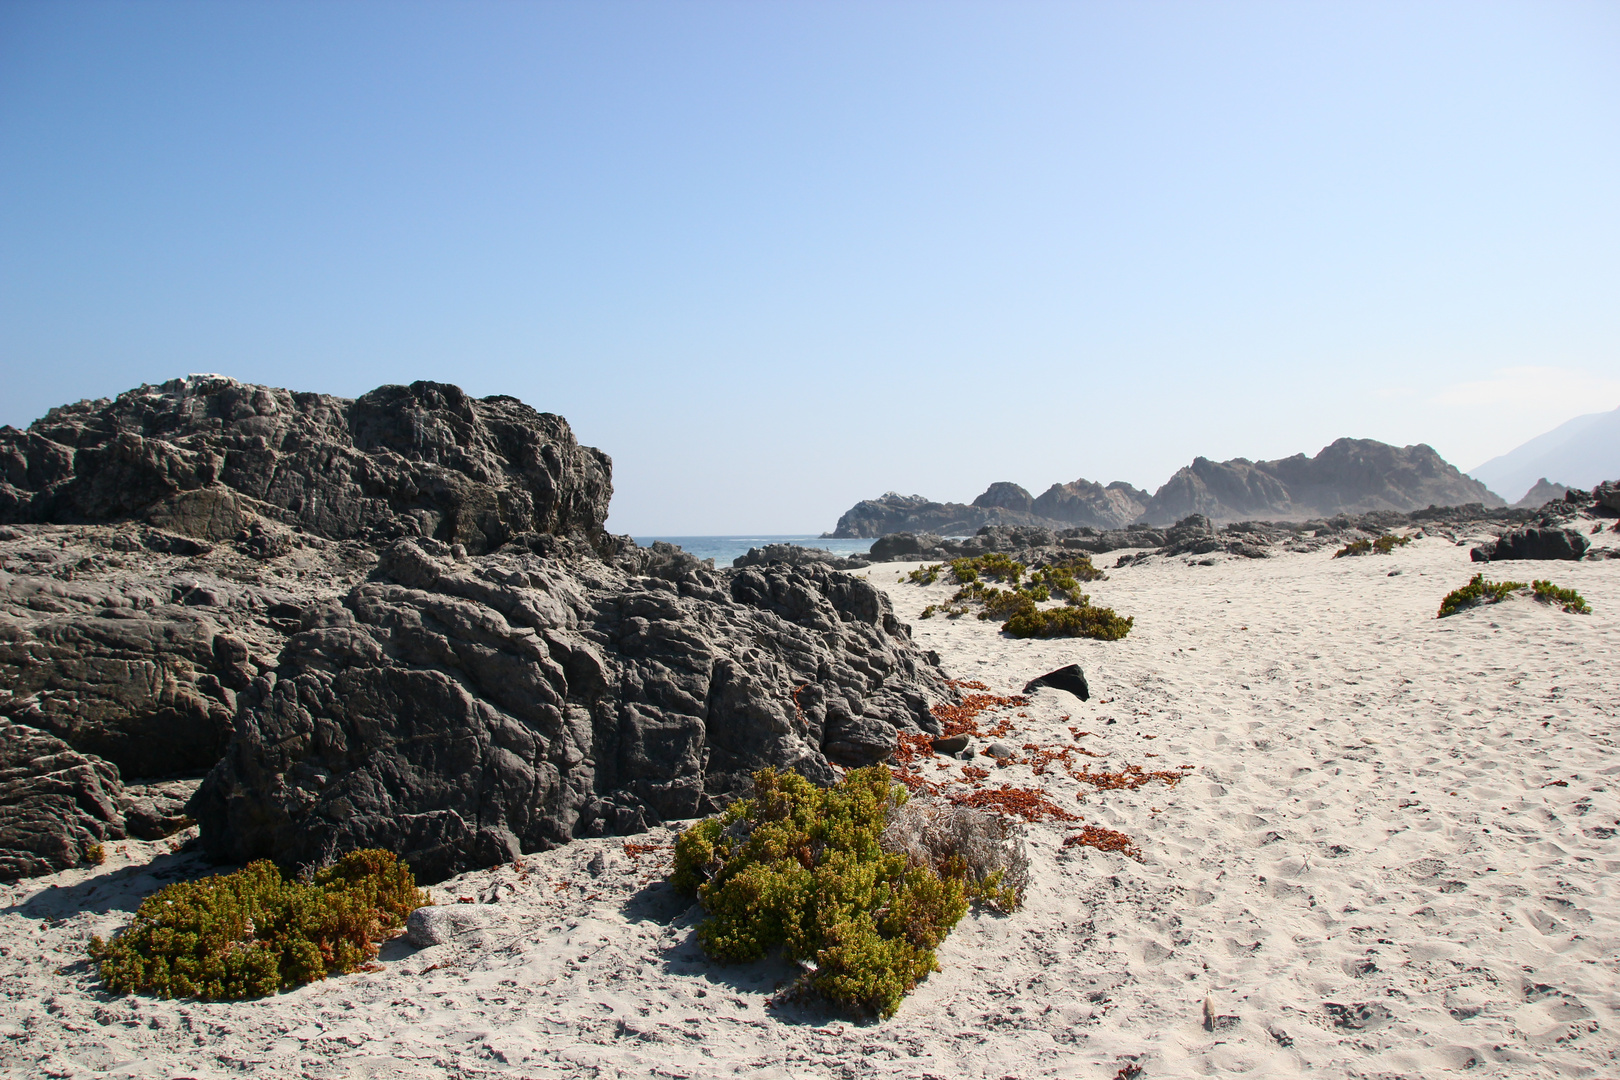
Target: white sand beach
(1393, 854)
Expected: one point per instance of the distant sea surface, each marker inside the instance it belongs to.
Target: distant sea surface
(722, 549)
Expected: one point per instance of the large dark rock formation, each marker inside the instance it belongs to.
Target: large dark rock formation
(464, 713)
(797, 555)
(1534, 543)
(1351, 476)
(401, 623)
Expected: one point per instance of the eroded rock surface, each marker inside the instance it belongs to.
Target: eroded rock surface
(55, 803)
(466, 712)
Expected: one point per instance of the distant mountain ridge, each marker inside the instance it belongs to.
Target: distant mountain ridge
(1061, 506)
(1349, 476)
(1580, 453)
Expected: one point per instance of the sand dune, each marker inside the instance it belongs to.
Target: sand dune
(1392, 855)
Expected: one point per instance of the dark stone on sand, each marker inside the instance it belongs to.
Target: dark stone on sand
(951, 745)
(1070, 678)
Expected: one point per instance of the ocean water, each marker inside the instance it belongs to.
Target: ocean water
(722, 549)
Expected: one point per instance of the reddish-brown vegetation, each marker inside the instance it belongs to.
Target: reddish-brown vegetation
(1102, 839)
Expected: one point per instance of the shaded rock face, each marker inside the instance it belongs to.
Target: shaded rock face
(210, 458)
(1534, 543)
(894, 512)
(54, 803)
(1354, 476)
(155, 695)
(462, 713)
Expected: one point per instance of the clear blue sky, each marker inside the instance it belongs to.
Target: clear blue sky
(776, 257)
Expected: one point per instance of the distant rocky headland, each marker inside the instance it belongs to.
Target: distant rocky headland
(395, 621)
(1350, 476)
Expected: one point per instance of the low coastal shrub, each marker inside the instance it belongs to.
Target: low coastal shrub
(1478, 591)
(1100, 623)
(804, 869)
(1017, 607)
(1568, 599)
(1382, 546)
(255, 932)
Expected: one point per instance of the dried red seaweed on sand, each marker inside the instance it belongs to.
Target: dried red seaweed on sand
(962, 718)
(1031, 804)
(1103, 840)
(1129, 778)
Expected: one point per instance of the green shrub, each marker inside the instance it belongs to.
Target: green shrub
(801, 868)
(1568, 599)
(1383, 546)
(255, 932)
(925, 575)
(1478, 591)
(1103, 624)
(1016, 607)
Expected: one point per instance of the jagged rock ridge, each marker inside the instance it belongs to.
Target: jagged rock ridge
(1078, 503)
(1349, 476)
(209, 457)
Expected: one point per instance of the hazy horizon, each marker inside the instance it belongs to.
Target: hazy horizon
(774, 259)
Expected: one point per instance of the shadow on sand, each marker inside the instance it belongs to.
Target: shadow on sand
(775, 977)
(122, 889)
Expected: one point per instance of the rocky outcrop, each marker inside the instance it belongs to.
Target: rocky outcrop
(214, 459)
(1534, 543)
(464, 713)
(1081, 503)
(1542, 492)
(894, 512)
(1350, 476)
(394, 621)
(55, 803)
(797, 555)
(1006, 496)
